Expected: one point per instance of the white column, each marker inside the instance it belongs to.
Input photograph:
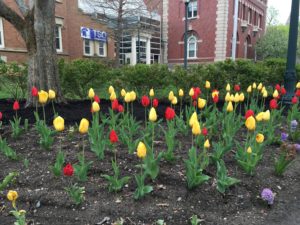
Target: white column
(148, 51)
(133, 51)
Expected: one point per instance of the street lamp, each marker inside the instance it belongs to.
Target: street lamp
(290, 73)
(186, 2)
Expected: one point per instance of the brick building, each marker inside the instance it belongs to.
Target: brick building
(210, 28)
(76, 35)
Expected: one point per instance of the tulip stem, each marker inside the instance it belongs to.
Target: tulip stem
(115, 154)
(180, 107)
(44, 114)
(53, 108)
(83, 146)
(153, 138)
(145, 117)
(192, 140)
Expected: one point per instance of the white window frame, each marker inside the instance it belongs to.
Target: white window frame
(188, 47)
(2, 45)
(194, 6)
(60, 49)
(104, 49)
(91, 47)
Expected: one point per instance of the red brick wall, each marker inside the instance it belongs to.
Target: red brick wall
(71, 41)
(204, 26)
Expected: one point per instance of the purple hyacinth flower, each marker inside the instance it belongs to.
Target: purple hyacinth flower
(294, 125)
(267, 195)
(284, 136)
(297, 146)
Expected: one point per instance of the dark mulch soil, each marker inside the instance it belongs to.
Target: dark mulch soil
(43, 196)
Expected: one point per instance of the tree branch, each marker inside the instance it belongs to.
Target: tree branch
(11, 16)
(22, 7)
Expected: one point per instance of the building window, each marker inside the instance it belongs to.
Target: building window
(1, 34)
(259, 21)
(58, 38)
(87, 47)
(249, 16)
(192, 9)
(102, 49)
(192, 47)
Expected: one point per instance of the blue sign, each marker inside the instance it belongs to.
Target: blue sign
(94, 35)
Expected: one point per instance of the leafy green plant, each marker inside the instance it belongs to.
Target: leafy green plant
(195, 220)
(76, 193)
(82, 167)
(219, 150)
(171, 142)
(58, 165)
(141, 189)
(223, 181)
(7, 180)
(286, 157)
(46, 134)
(194, 168)
(115, 182)
(7, 151)
(20, 216)
(16, 128)
(26, 163)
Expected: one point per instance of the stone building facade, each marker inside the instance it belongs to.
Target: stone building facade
(70, 41)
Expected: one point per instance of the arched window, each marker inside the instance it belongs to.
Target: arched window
(192, 47)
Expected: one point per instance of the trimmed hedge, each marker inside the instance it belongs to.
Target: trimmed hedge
(143, 77)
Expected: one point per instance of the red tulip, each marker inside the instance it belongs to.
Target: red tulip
(120, 108)
(282, 91)
(204, 131)
(273, 104)
(277, 87)
(113, 137)
(1, 115)
(145, 101)
(68, 170)
(294, 100)
(115, 105)
(16, 106)
(155, 102)
(34, 91)
(249, 113)
(216, 99)
(97, 99)
(237, 88)
(197, 92)
(169, 113)
(297, 93)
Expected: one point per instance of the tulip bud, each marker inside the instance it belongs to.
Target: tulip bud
(84, 126)
(95, 107)
(123, 92)
(91, 93)
(171, 96)
(151, 92)
(265, 94)
(141, 150)
(249, 89)
(59, 123)
(250, 123)
(207, 84)
(227, 97)
(236, 98)
(201, 103)
(249, 150)
(133, 96)
(229, 107)
(51, 94)
(206, 144)
(43, 97)
(266, 115)
(180, 93)
(193, 118)
(113, 96)
(298, 85)
(259, 138)
(191, 92)
(111, 89)
(259, 87)
(259, 117)
(152, 115)
(127, 97)
(241, 97)
(196, 129)
(174, 100)
(254, 85)
(275, 94)
(228, 87)
(231, 97)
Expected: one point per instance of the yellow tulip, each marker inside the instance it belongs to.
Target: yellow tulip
(180, 93)
(123, 92)
(227, 97)
(171, 96)
(174, 100)
(249, 89)
(241, 97)
(196, 129)
(12, 196)
(95, 107)
(51, 94)
(249, 150)
(141, 150)
(265, 94)
(298, 85)
(259, 87)
(113, 96)
(91, 93)
(231, 98)
(127, 97)
(250, 123)
(260, 116)
(214, 93)
(259, 138)
(84, 126)
(133, 96)
(201, 103)
(193, 118)
(275, 94)
(151, 92)
(254, 85)
(263, 89)
(229, 107)
(207, 84)
(43, 97)
(59, 123)
(236, 98)
(111, 89)
(206, 144)
(152, 115)
(228, 87)
(191, 92)
(266, 115)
